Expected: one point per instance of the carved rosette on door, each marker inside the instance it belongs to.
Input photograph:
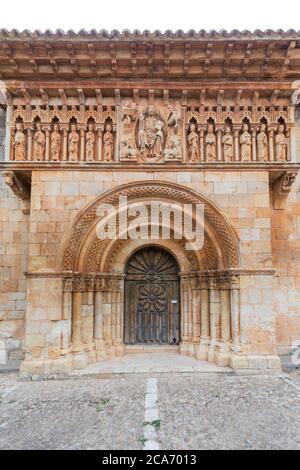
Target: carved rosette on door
(152, 298)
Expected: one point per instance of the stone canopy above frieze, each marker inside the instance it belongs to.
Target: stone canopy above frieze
(151, 131)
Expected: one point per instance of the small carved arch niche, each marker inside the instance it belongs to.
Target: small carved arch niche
(108, 141)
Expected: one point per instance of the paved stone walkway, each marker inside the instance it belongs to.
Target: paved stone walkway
(195, 411)
(150, 363)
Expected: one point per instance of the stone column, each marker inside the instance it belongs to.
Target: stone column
(47, 145)
(98, 320)
(65, 144)
(67, 316)
(215, 317)
(76, 315)
(288, 148)
(201, 352)
(225, 333)
(201, 143)
(184, 315)
(195, 284)
(119, 349)
(100, 144)
(219, 144)
(29, 143)
(82, 143)
(236, 135)
(271, 144)
(253, 146)
(235, 313)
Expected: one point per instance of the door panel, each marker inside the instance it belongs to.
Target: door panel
(152, 298)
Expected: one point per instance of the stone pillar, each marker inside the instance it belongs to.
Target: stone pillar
(201, 143)
(236, 135)
(253, 146)
(100, 144)
(66, 316)
(82, 143)
(29, 143)
(201, 351)
(47, 145)
(288, 148)
(224, 333)
(119, 348)
(271, 144)
(215, 317)
(235, 313)
(98, 320)
(219, 144)
(195, 284)
(76, 315)
(185, 315)
(65, 144)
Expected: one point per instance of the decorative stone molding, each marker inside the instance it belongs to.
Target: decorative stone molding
(282, 188)
(224, 233)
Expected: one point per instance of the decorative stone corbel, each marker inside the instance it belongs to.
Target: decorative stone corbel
(19, 188)
(281, 189)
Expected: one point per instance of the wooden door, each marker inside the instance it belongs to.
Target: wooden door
(152, 298)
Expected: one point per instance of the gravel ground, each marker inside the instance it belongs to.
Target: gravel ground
(197, 411)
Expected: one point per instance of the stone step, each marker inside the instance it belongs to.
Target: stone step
(151, 348)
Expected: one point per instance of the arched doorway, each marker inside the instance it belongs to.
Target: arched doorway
(152, 304)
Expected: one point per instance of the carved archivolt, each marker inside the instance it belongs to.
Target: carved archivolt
(155, 133)
(223, 239)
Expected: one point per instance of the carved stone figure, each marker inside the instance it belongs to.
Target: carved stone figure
(280, 144)
(245, 141)
(73, 143)
(19, 142)
(90, 143)
(128, 149)
(262, 144)
(227, 142)
(108, 139)
(173, 148)
(151, 133)
(193, 143)
(55, 143)
(39, 143)
(158, 142)
(210, 141)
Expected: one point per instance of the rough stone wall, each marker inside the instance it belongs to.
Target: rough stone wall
(14, 228)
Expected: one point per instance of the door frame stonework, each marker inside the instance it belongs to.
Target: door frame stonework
(89, 290)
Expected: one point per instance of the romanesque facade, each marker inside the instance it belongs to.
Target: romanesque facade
(208, 119)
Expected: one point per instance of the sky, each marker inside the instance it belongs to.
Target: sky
(150, 14)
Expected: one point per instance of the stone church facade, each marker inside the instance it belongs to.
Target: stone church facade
(171, 118)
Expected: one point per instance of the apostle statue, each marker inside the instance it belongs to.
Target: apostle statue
(39, 143)
(73, 143)
(19, 142)
(210, 142)
(55, 143)
(280, 144)
(245, 141)
(108, 140)
(90, 143)
(227, 142)
(193, 143)
(262, 144)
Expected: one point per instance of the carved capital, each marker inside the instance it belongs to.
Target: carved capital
(68, 284)
(235, 282)
(17, 185)
(281, 189)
